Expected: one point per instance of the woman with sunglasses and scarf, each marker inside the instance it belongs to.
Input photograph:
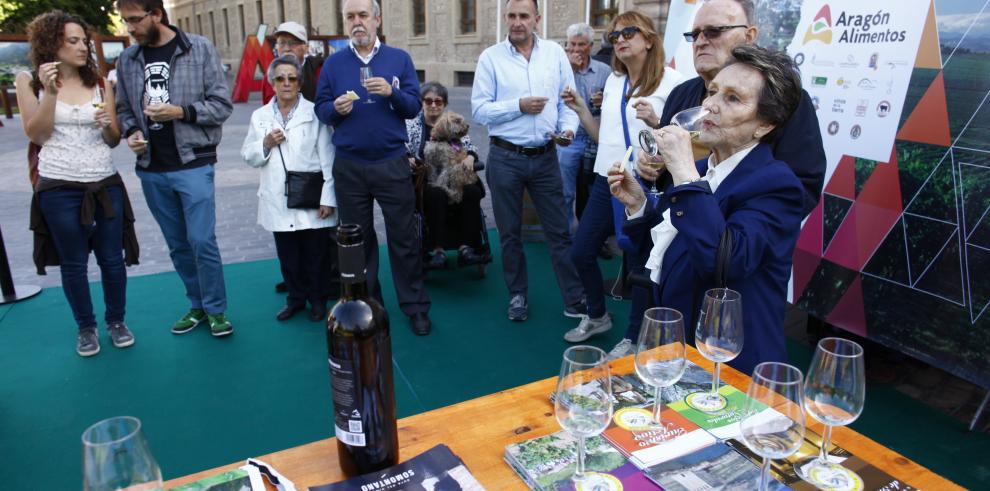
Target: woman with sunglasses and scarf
(635, 94)
(285, 135)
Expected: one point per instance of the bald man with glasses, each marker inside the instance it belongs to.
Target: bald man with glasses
(720, 26)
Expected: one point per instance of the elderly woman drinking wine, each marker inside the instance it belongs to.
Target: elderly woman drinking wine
(286, 136)
(739, 190)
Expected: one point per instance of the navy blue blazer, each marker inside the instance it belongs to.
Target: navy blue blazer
(799, 143)
(760, 203)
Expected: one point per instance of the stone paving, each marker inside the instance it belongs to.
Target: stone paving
(238, 234)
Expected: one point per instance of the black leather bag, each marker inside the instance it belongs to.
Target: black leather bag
(302, 189)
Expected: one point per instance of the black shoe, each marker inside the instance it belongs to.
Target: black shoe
(466, 256)
(280, 287)
(317, 313)
(287, 312)
(420, 324)
(438, 260)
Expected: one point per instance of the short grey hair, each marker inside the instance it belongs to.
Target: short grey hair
(286, 59)
(781, 93)
(581, 29)
(376, 9)
(749, 10)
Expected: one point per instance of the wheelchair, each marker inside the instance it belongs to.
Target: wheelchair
(448, 240)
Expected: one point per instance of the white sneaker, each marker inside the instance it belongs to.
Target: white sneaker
(624, 348)
(589, 327)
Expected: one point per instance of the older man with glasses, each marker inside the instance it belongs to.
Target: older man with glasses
(291, 37)
(720, 26)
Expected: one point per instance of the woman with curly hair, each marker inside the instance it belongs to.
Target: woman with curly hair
(79, 202)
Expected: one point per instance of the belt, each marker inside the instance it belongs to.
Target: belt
(527, 151)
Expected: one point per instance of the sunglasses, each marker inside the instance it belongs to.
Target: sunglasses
(711, 32)
(283, 78)
(432, 102)
(627, 34)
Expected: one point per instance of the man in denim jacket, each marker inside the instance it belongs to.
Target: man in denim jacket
(172, 100)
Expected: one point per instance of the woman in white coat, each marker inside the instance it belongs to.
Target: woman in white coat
(287, 128)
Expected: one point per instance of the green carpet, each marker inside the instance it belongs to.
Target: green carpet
(206, 402)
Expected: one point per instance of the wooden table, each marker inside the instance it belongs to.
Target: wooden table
(478, 430)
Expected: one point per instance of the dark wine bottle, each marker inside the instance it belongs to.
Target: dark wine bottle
(359, 347)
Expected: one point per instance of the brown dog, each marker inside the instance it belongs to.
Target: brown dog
(443, 155)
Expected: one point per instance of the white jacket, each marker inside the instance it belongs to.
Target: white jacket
(307, 148)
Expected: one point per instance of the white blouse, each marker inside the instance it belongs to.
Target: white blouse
(75, 151)
(611, 143)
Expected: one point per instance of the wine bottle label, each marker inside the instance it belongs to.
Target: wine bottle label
(351, 263)
(347, 416)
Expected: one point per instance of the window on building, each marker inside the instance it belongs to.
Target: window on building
(281, 11)
(260, 10)
(240, 20)
(199, 24)
(338, 9)
(421, 75)
(464, 79)
(418, 17)
(469, 19)
(602, 12)
(226, 27)
(213, 29)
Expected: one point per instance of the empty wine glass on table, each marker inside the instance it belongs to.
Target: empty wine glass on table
(690, 119)
(778, 432)
(365, 74)
(718, 337)
(116, 456)
(583, 401)
(834, 394)
(660, 352)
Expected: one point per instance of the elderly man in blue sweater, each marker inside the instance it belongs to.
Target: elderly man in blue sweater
(370, 140)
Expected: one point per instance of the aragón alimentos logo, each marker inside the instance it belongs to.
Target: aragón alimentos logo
(855, 28)
(821, 27)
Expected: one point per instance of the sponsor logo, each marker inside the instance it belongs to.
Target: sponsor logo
(873, 60)
(861, 107)
(841, 82)
(855, 132)
(817, 62)
(849, 63)
(833, 128)
(883, 109)
(821, 27)
(814, 100)
(866, 84)
(799, 59)
(819, 81)
(839, 106)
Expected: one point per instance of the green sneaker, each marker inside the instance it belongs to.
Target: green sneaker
(219, 325)
(189, 321)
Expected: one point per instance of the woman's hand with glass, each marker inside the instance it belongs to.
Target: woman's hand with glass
(676, 152)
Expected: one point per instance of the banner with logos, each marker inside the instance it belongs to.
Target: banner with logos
(898, 248)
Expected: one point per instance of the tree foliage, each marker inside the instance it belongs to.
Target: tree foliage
(16, 14)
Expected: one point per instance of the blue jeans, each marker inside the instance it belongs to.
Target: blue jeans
(596, 226)
(570, 166)
(61, 210)
(509, 173)
(184, 205)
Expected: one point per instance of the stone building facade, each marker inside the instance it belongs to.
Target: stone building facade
(444, 37)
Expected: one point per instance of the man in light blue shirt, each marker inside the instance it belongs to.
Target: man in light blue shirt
(589, 81)
(516, 93)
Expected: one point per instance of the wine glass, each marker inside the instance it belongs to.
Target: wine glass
(690, 119)
(834, 394)
(365, 74)
(117, 456)
(146, 103)
(100, 100)
(718, 337)
(660, 352)
(778, 432)
(583, 401)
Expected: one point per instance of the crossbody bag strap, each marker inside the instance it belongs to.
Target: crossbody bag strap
(723, 259)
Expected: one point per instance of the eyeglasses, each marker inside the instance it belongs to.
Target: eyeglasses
(287, 44)
(283, 78)
(711, 32)
(136, 20)
(433, 102)
(627, 34)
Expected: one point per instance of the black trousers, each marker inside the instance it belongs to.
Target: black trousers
(308, 259)
(464, 229)
(358, 185)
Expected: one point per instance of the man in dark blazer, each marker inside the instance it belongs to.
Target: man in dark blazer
(719, 26)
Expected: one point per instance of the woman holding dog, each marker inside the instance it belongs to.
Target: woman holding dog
(635, 93)
(466, 227)
(280, 139)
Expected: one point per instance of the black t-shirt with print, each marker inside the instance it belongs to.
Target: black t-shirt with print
(161, 141)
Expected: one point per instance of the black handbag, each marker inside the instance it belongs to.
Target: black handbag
(302, 189)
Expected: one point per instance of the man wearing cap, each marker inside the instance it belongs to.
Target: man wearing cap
(290, 37)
